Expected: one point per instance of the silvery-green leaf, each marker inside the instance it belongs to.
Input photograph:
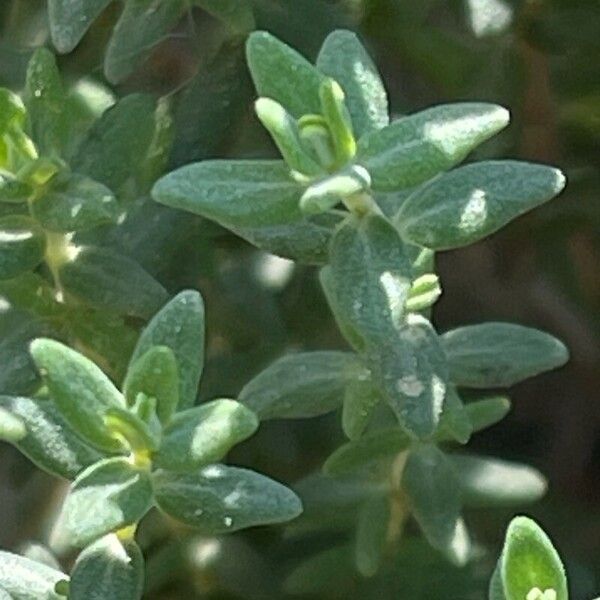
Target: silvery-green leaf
(492, 482)
(455, 423)
(179, 325)
(108, 496)
(467, 204)
(142, 24)
(155, 374)
(410, 367)
(220, 499)
(360, 400)
(74, 203)
(46, 102)
(249, 193)
(108, 568)
(371, 448)
(430, 482)
(301, 385)
(26, 579)
(41, 554)
(487, 412)
(80, 390)
(424, 293)
(369, 277)
(281, 73)
(70, 19)
(305, 240)
(529, 560)
(204, 434)
(339, 122)
(500, 354)
(371, 535)
(22, 245)
(47, 440)
(107, 280)
(413, 149)
(344, 58)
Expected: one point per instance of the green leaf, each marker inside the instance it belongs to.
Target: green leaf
(496, 589)
(74, 203)
(305, 240)
(360, 400)
(70, 19)
(46, 102)
(410, 367)
(5, 595)
(369, 277)
(286, 135)
(179, 325)
(219, 499)
(431, 485)
(81, 391)
(233, 193)
(424, 293)
(301, 385)
(110, 153)
(415, 148)
(204, 434)
(12, 190)
(492, 482)
(108, 568)
(281, 73)
(47, 439)
(142, 24)
(323, 195)
(237, 14)
(344, 58)
(500, 354)
(12, 110)
(465, 205)
(22, 245)
(339, 122)
(106, 497)
(487, 412)
(455, 423)
(26, 579)
(373, 447)
(371, 535)
(530, 561)
(155, 374)
(108, 280)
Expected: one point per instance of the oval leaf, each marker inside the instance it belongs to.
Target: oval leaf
(371, 535)
(500, 354)
(179, 325)
(107, 496)
(204, 434)
(22, 245)
(220, 499)
(25, 579)
(415, 148)
(472, 202)
(300, 385)
(108, 568)
(80, 390)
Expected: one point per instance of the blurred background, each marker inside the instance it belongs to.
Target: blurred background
(540, 59)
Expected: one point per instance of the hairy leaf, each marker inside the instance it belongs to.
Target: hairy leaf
(26, 579)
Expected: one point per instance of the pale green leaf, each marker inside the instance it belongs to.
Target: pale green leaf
(179, 325)
(220, 499)
(233, 193)
(104, 498)
(204, 434)
(47, 440)
(80, 390)
(301, 385)
(500, 354)
(108, 568)
(371, 535)
(413, 149)
(487, 412)
(529, 560)
(465, 205)
(360, 400)
(25, 579)
(344, 58)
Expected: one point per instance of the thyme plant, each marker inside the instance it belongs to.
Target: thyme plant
(369, 201)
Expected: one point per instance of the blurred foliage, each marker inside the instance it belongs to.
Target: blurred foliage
(539, 58)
